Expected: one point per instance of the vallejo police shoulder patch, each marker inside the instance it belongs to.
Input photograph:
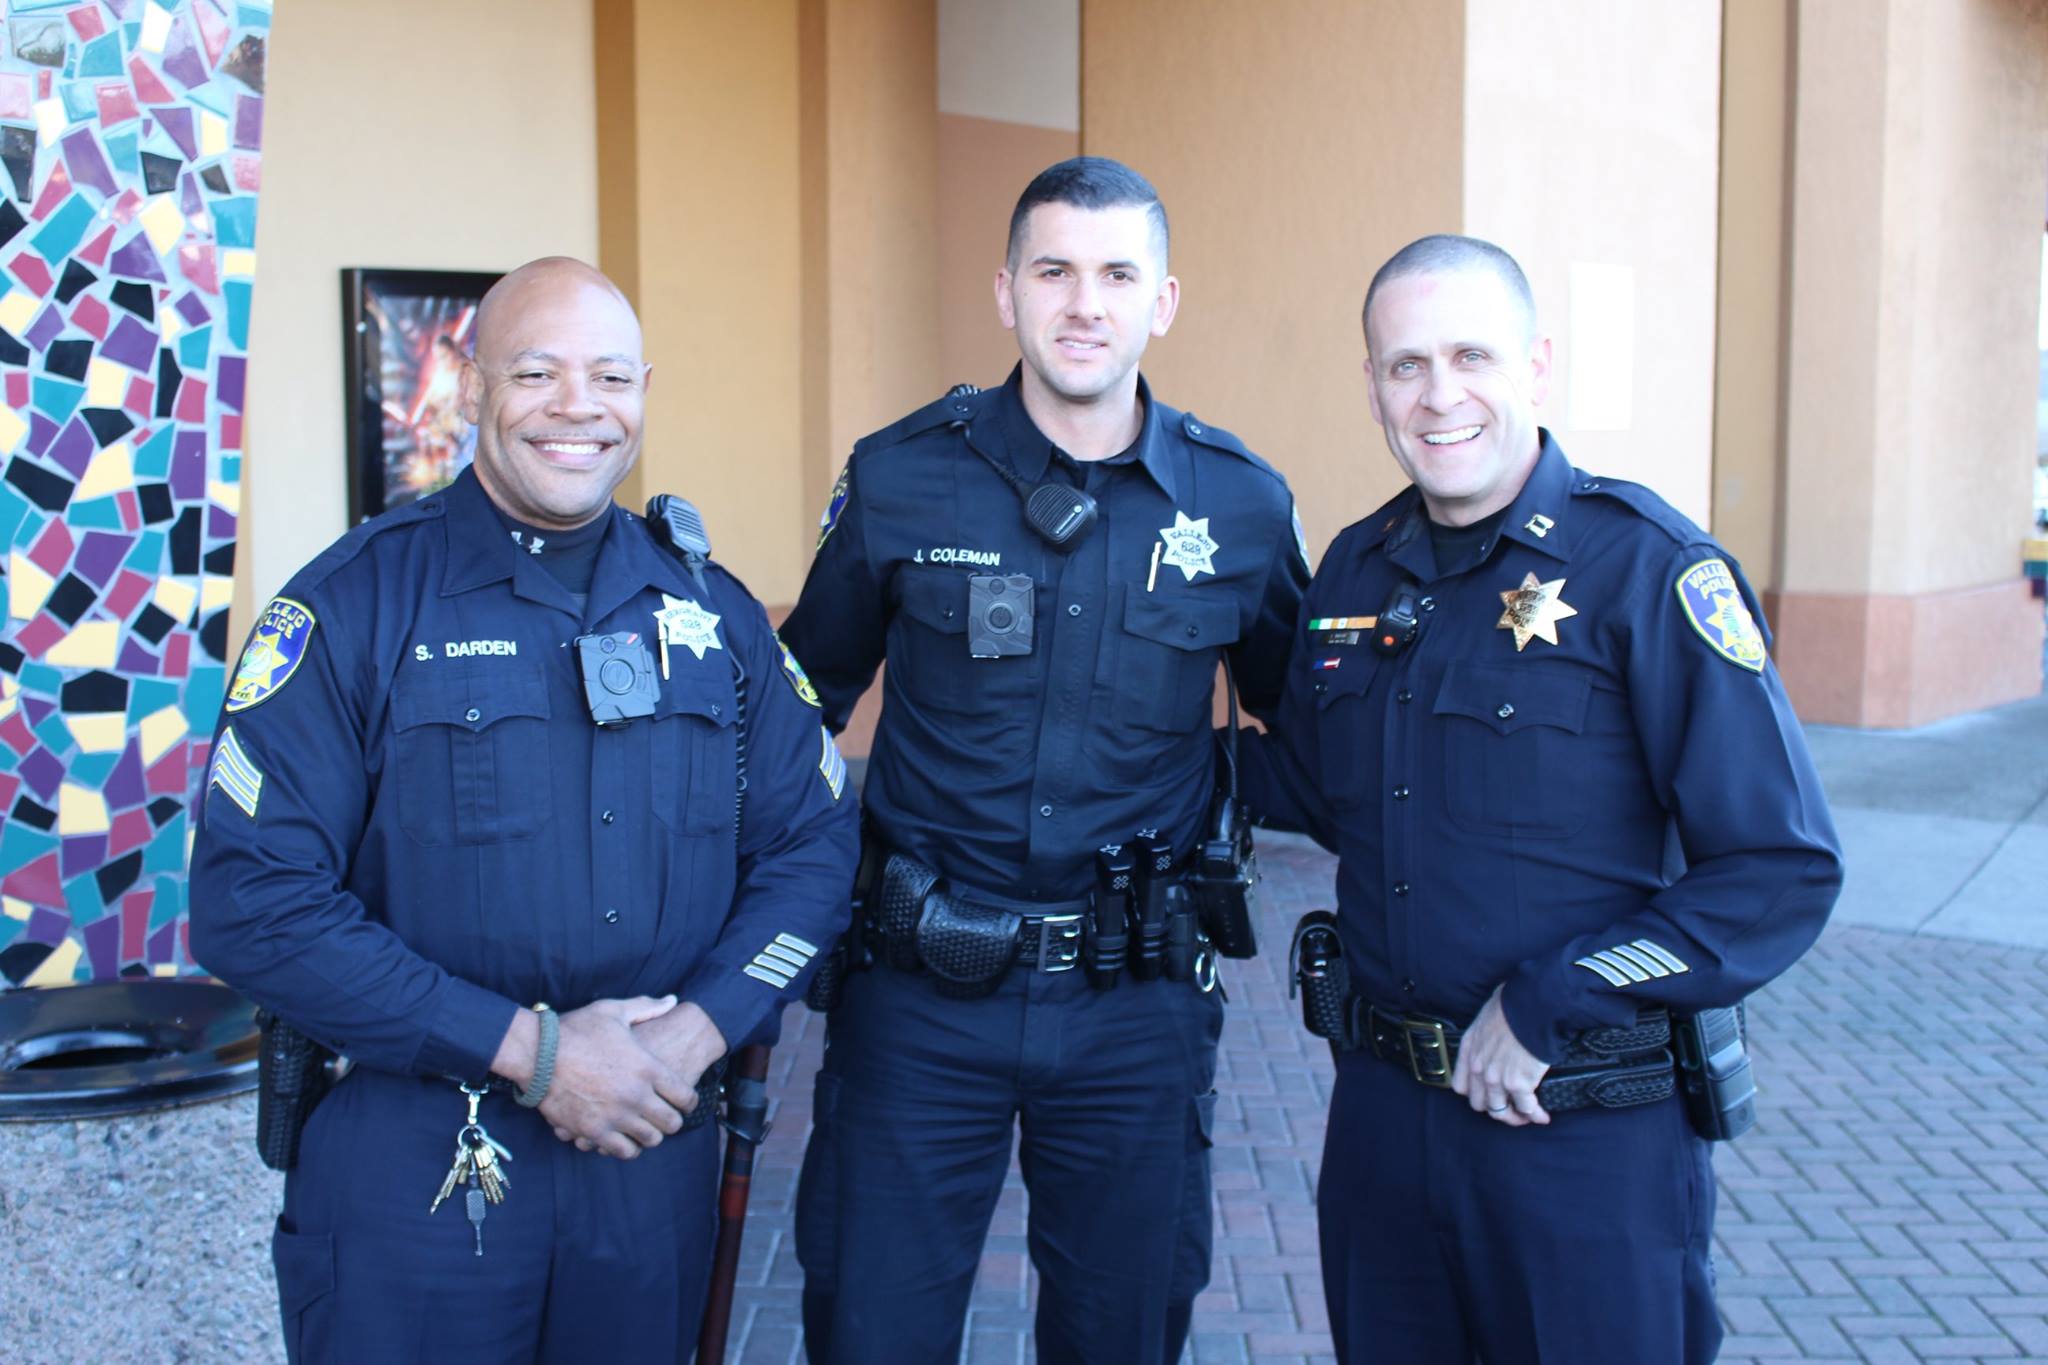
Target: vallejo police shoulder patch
(1715, 610)
(273, 653)
(799, 681)
(834, 507)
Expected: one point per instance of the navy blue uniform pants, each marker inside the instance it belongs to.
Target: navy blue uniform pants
(588, 1258)
(1448, 1237)
(918, 1102)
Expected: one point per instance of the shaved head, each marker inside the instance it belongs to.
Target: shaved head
(557, 390)
(517, 289)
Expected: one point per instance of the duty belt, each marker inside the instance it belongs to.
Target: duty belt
(1048, 940)
(1608, 1068)
(1050, 943)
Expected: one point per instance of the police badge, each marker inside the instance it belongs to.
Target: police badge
(1189, 546)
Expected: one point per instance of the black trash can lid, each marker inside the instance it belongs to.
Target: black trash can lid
(123, 1047)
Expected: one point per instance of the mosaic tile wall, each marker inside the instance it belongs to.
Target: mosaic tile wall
(131, 137)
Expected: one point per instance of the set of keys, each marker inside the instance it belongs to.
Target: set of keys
(479, 1165)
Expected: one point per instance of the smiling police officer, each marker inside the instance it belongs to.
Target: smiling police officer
(1533, 712)
(1052, 571)
(463, 828)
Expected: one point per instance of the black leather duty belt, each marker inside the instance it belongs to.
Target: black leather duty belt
(1605, 1068)
(1050, 943)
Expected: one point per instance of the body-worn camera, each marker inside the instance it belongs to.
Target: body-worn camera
(619, 683)
(999, 615)
(1398, 624)
(1714, 1073)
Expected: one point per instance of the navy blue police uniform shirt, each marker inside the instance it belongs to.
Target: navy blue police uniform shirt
(412, 826)
(1583, 778)
(1008, 773)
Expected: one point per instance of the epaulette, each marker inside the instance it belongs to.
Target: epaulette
(1643, 502)
(323, 565)
(960, 404)
(1195, 429)
(1369, 530)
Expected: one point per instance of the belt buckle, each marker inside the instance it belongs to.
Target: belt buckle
(1059, 943)
(1429, 1051)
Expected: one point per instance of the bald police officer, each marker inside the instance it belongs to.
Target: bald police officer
(427, 844)
(1533, 712)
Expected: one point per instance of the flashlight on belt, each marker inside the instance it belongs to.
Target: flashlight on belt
(1109, 936)
(1149, 907)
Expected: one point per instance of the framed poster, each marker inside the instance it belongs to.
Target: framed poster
(404, 336)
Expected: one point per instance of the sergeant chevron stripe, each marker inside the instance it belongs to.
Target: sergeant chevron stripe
(1626, 964)
(779, 962)
(831, 766)
(235, 775)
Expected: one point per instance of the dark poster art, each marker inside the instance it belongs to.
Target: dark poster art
(407, 333)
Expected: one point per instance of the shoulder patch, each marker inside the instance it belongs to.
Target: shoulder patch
(799, 681)
(833, 507)
(1715, 610)
(275, 647)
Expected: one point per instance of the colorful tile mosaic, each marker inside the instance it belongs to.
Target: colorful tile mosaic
(131, 136)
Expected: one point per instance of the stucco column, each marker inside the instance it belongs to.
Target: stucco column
(1919, 168)
(700, 211)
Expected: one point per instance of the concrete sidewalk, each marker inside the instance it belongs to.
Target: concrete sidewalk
(1892, 1204)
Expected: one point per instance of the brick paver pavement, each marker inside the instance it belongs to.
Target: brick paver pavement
(1891, 1205)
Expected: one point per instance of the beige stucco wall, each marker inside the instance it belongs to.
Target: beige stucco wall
(880, 289)
(1591, 137)
(710, 220)
(1009, 106)
(1920, 170)
(405, 151)
(1296, 146)
(1749, 333)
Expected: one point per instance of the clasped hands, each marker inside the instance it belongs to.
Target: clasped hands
(626, 1071)
(1495, 1073)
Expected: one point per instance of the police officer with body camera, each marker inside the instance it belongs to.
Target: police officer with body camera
(532, 820)
(1052, 571)
(1533, 713)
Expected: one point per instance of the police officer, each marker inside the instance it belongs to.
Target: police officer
(1048, 693)
(419, 848)
(1532, 711)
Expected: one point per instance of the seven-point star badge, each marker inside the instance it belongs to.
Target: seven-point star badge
(683, 622)
(1189, 547)
(1533, 611)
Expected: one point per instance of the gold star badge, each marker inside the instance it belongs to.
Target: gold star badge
(1533, 611)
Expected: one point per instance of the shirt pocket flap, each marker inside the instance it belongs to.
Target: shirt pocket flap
(473, 703)
(937, 598)
(699, 693)
(1351, 676)
(1185, 622)
(1510, 699)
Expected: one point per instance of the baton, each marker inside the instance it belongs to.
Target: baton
(746, 1125)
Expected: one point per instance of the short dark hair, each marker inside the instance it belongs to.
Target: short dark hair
(1444, 252)
(1090, 182)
